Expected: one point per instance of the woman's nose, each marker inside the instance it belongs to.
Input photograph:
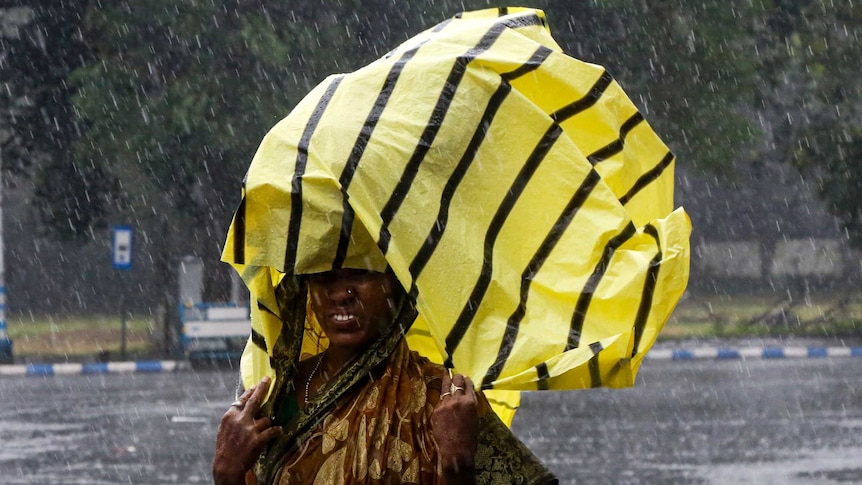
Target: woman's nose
(340, 293)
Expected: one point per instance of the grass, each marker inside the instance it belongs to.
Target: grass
(819, 315)
(80, 338)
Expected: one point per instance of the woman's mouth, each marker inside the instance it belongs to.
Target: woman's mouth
(344, 321)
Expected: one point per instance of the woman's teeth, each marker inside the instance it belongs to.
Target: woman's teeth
(343, 317)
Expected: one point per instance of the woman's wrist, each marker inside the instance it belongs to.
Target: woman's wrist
(458, 467)
(228, 476)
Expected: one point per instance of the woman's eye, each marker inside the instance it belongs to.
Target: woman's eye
(352, 275)
(322, 279)
(359, 274)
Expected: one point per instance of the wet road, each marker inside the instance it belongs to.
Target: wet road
(699, 422)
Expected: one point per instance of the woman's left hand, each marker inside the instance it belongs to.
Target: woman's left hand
(455, 423)
(242, 436)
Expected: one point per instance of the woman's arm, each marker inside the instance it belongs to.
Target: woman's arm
(242, 436)
(455, 424)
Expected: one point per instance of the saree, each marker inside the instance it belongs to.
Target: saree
(381, 433)
(371, 424)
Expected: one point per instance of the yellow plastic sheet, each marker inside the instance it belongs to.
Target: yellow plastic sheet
(516, 192)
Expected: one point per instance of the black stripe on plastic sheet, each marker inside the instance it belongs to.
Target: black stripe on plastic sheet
(593, 281)
(647, 178)
(432, 127)
(239, 233)
(562, 223)
(648, 290)
(258, 340)
(588, 100)
(436, 233)
(494, 103)
(544, 375)
(531, 65)
(262, 307)
(359, 149)
(299, 171)
(468, 312)
(595, 370)
(617, 145)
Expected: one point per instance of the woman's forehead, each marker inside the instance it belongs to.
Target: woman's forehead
(345, 274)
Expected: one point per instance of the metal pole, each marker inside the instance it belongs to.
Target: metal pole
(5, 341)
(123, 326)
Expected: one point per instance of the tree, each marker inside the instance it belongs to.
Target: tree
(180, 94)
(747, 93)
(689, 66)
(823, 132)
(37, 110)
(174, 104)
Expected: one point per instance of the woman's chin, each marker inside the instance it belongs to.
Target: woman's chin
(355, 340)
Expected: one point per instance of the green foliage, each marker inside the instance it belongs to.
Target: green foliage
(744, 84)
(688, 65)
(180, 91)
(34, 99)
(179, 94)
(821, 53)
(73, 199)
(183, 92)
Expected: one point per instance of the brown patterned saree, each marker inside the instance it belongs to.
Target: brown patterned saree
(371, 423)
(380, 432)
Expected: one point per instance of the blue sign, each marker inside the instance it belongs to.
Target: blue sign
(122, 247)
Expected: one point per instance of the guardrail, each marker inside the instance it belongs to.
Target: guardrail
(719, 353)
(146, 366)
(707, 353)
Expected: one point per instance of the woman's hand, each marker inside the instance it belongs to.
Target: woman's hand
(241, 436)
(455, 423)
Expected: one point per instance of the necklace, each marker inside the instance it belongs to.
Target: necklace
(311, 376)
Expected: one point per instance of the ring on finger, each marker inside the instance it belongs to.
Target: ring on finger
(455, 389)
(448, 393)
(238, 404)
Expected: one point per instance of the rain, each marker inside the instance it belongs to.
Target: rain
(145, 115)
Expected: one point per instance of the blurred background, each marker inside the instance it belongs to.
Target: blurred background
(147, 113)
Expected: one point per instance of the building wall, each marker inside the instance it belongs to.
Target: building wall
(810, 257)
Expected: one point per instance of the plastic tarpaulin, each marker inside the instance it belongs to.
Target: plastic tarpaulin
(516, 192)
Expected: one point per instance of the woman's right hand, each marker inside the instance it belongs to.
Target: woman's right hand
(455, 424)
(242, 436)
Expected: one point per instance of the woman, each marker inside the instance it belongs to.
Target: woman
(466, 162)
(394, 425)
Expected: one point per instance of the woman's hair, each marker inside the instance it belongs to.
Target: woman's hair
(312, 329)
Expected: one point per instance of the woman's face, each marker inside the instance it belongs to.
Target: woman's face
(352, 305)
